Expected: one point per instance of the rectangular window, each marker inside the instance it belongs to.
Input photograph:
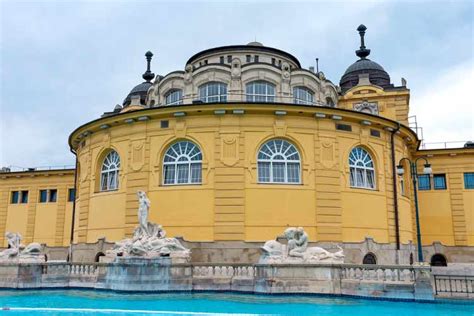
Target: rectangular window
(344, 127)
(24, 197)
(248, 58)
(229, 59)
(256, 59)
(71, 195)
(15, 197)
(53, 195)
(222, 59)
(374, 133)
(424, 182)
(273, 61)
(164, 124)
(439, 182)
(469, 180)
(43, 196)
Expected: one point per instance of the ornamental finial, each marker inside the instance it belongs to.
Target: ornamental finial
(148, 75)
(362, 52)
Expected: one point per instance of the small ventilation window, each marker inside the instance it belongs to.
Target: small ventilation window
(222, 59)
(229, 58)
(164, 124)
(344, 127)
(248, 58)
(273, 61)
(256, 59)
(374, 133)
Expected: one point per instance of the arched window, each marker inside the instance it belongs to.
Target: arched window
(278, 162)
(109, 174)
(369, 258)
(438, 260)
(362, 171)
(98, 255)
(302, 95)
(213, 92)
(182, 164)
(260, 91)
(174, 97)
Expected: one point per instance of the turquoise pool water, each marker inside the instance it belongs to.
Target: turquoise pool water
(76, 302)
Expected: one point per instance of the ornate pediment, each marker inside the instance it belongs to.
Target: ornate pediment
(367, 107)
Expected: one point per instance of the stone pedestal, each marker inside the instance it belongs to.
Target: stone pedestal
(143, 274)
(297, 278)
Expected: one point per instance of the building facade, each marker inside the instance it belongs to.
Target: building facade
(244, 143)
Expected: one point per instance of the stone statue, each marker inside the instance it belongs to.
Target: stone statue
(143, 209)
(17, 251)
(297, 250)
(149, 239)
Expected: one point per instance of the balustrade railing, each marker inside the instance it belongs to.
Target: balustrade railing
(378, 273)
(454, 285)
(229, 271)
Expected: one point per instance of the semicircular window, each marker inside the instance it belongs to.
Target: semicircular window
(279, 162)
(302, 95)
(260, 91)
(109, 172)
(362, 171)
(213, 92)
(174, 97)
(182, 164)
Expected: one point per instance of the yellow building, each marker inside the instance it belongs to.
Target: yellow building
(244, 143)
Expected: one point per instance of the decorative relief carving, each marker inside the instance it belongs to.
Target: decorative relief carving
(180, 128)
(279, 128)
(230, 150)
(327, 154)
(367, 107)
(138, 153)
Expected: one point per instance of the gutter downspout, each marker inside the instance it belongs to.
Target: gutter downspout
(73, 209)
(395, 191)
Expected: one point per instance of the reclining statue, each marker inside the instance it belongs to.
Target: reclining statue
(16, 250)
(149, 239)
(297, 250)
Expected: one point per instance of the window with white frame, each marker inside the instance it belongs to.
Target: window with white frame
(260, 91)
(174, 97)
(109, 173)
(278, 161)
(302, 95)
(362, 171)
(182, 164)
(213, 92)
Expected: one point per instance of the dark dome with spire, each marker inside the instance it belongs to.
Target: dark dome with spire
(377, 75)
(141, 89)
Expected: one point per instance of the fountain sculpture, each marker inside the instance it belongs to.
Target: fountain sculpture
(149, 239)
(18, 252)
(297, 250)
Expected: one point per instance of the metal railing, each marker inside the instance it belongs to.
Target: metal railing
(445, 145)
(38, 168)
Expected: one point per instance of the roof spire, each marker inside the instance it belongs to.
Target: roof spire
(148, 75)
(362, 52)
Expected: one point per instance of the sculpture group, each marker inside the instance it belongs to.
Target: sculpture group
(297, 250)
(17, 251)
(149, 239)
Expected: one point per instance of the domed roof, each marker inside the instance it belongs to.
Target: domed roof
(377, 75)
(141, 89)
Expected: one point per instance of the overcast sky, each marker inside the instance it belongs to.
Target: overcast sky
(64, 63)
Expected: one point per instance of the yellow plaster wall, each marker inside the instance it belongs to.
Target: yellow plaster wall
(230, 204)
(17, 217)
(37, 222)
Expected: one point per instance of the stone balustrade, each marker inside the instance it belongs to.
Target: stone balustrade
(405, 282)
(379, 273)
